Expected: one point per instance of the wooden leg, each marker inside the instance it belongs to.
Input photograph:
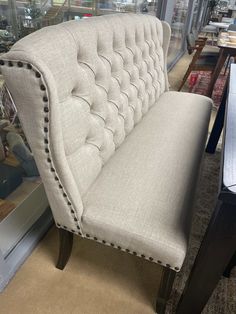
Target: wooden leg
(167, 280)
(220, 63)
(186, 75)
(230, 266)
(215, 252)
(66, 242)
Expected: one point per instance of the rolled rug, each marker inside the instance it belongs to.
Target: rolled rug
(23, 154)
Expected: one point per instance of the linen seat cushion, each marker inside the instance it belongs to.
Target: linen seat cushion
(141, 201)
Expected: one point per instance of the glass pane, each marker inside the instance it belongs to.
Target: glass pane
(138, 6)
(178, 23)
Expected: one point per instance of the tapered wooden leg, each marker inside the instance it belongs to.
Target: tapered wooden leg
(66, 242)
(167, 280)
(186, 75)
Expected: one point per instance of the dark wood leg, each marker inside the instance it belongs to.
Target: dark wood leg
(218, 124)
(167, 280)
(66, 242)
(230, 266)
(220, 63)
(215, 252)
(186, 75)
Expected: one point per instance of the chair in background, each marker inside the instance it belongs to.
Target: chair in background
(201, 61)
(210, 30)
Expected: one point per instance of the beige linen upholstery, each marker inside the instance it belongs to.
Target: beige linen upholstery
(118, 153)
(142, 199)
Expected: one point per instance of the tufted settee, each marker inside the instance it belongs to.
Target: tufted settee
(118, 153)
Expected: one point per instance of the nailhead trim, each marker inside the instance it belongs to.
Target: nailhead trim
(88, 236)
(42, 87)
(46, 120)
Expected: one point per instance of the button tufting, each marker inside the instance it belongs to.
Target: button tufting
(20, 64)
(2, 62)
(37, 74)
(10, 63)
(46, 109)
(29, 66)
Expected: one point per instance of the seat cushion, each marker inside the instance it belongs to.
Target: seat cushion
(141, 201)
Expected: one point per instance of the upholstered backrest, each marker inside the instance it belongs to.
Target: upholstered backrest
(80, 88)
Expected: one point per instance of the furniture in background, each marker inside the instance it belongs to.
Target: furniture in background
(210, 30)
(201, 61)
(217, 252)
(227, 50)
(95, 118)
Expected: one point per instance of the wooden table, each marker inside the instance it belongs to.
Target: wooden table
(217, 252)
(226, 49)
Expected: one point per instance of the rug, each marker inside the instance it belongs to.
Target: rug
(223, 300)
(202, 80)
